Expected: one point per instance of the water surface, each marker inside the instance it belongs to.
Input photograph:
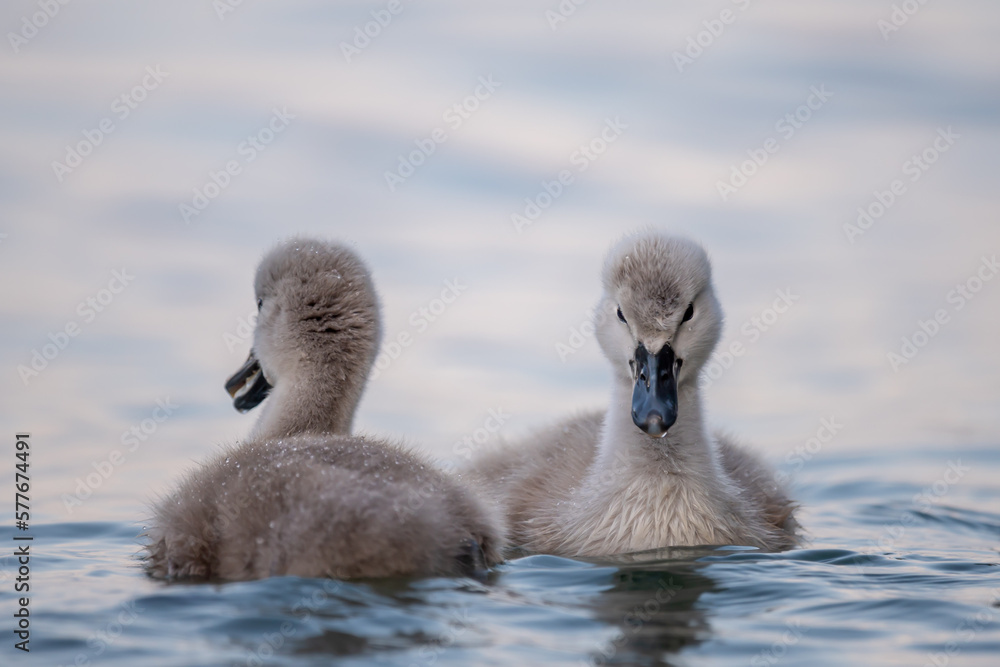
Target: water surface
(891, 573)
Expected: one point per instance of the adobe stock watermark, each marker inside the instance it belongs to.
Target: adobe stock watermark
(30, 25)
(223, 7)
(581, 159)
(364, 34)
(242, 333)
(247, 151)
(779, 647)
(269, 642)
(899, 16)
(922, 502)
(420, 320)
(796, 459)
(121, 107)
(786, 126)
(562, 12)
(914, 168)
(458, 623)
(967, 629)
(454, 117)
(88, 310)
(582, 332)
(635, 620)
(131, 440)
(472, 442)
(101, 640)
(958, 297)
(302, 610)
(724, 359)
(465, 447)
(702, 40)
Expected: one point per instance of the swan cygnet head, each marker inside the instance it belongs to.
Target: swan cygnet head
(318, 331)
(658, 322)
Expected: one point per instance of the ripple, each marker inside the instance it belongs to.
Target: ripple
(865, 589)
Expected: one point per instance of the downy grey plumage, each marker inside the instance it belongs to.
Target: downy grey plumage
(301, 496)
(646, 473)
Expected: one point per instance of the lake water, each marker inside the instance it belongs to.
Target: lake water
(840, 154)
(894, 573)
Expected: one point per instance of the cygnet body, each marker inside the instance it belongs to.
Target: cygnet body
(645, 474)
(301, 496)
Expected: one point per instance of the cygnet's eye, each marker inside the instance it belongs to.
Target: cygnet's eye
(689, 313)
(620, 316)
(260, 304)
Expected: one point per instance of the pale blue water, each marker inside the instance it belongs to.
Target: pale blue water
(891, 575)
(884, 580)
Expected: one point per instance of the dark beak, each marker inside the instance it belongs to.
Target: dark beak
(248, 386)
(654, 398)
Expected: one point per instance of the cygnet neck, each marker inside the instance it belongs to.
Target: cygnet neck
(627, 451)
(315, 398)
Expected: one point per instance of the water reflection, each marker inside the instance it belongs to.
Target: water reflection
(653, 606)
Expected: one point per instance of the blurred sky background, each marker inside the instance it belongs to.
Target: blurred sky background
(555, 86)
